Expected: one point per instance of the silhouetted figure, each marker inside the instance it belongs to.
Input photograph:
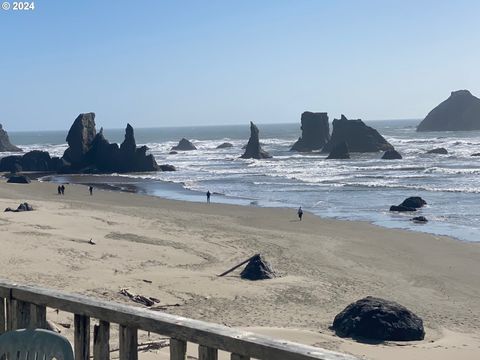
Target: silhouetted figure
(62, 188)
(209, 194)
(59, 190)
(300, 213)
(90, 189)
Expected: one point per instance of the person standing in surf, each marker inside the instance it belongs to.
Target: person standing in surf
(300, 213)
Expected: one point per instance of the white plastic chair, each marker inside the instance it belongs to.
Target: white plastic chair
(35, 344)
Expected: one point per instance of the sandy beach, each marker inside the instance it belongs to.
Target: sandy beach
(180, 247)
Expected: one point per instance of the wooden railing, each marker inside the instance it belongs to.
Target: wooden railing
(25, 307)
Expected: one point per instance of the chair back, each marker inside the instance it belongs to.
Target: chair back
(35, 344)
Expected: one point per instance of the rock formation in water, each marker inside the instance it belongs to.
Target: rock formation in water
(32, 161)
(461, 111)
(409, 204)
(441, 151)
(88, 152)
(253, 149)
(358, 136)
(258, 269)
(5, 144)
(391, 155)
(225, 145)
(184, 145)
(339, 151)
(315, 132)
(79, 139)
(374, 318)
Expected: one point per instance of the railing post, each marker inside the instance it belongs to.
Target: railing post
(101, 338)
(207, 353)
(38, 316)
(82, 337)
(3, 317)
(178, 349)
(128, 338)
(20, 313)
(238, 357)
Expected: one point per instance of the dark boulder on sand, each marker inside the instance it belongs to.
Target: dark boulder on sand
(358, 136)
(441, 151)
(18, 179)
(339, 151)
(391, 155)
(225, 145)
(184, 145)
(378, 319)
(253, 149)
(315, 132)
(5, 144)
(461, 111)
(258, 269)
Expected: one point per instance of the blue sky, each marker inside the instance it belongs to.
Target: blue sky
(172, 63)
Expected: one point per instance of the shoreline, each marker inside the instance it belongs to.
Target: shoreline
(181, 246)
(177, 191)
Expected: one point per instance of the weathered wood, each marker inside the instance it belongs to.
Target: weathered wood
(8, 313)
(21, 315)
(38, 316)
(3, 316)
(178, 349)
(238, 357)
(81, 337)
(237, 266)
(207, 353)
(101, 339)
(195, 331)
(128, 339)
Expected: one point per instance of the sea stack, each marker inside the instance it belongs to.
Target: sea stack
(5, 144)
(358, 136)
(339, 151)
(253, 149)
(80, 136)
(461, 111)
(315, 132)
(184, 145)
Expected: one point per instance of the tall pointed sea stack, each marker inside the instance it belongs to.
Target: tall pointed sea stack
(5, 144)
(254, 150)
(79, 138)
(461, 111)
(358, 136)
(315, 132)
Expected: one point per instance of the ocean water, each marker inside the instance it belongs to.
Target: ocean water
(362, 188)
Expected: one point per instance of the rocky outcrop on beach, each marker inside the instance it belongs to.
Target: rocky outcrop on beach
(391, 155)
(225, 145)
(358, 136)
(258, 269)
(88, 152)
(253, 149)
(32, 161)
(441, 151)
(315, 132)
(339, 151)
(461, 111)
(409, 204)
(374, 318)
(184, 145)
(5, 144)
(18, 179)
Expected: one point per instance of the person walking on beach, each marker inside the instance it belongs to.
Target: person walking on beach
(59, 190)
(62, 188)
(208, 196)
(90, 189)
(300, 213)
